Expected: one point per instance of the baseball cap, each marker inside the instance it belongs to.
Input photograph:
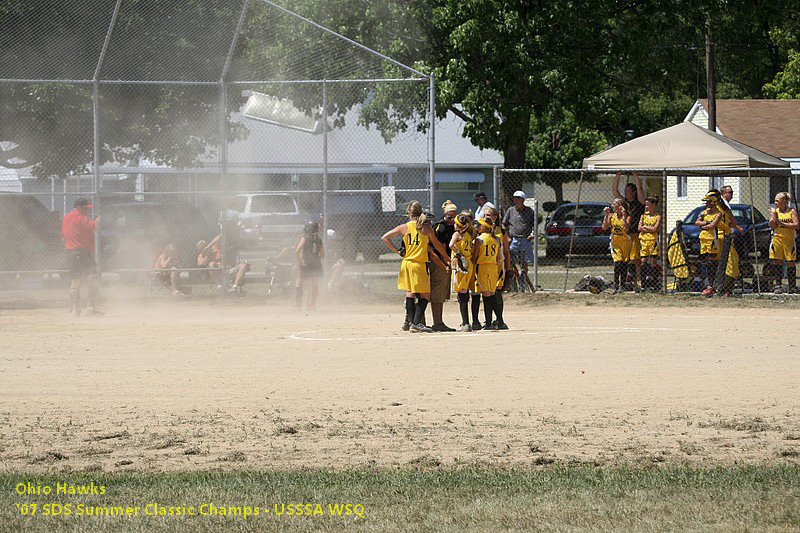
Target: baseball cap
(519, 194)
(82, 202)
(479, 194)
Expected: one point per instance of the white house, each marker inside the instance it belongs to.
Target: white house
(772, 126)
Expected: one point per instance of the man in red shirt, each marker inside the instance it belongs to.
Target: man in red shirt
(78, 229)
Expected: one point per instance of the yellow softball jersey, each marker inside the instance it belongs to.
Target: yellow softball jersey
(620, 240)
(487, 270)
(414, 275)
(649, 220)
(489, 248)
(416, 244)
(649, 241)
(709, 239)
(463, 281)
(782, 246)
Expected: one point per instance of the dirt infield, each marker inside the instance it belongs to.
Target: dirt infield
(187, 386)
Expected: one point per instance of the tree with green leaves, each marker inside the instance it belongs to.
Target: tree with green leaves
(557, 141)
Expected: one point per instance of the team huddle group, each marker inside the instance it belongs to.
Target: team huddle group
(469, 253)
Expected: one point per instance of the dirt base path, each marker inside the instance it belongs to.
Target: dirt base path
(184, 386)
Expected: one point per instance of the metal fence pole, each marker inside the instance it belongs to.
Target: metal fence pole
(432, 137)
(756, 252)
(535, 245)
(572, 233)
(495, 188)
(223, 146)
(223, 171)
(324, 116)
(664, 242)
(97, 179)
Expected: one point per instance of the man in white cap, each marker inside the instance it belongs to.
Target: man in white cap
(519, 223)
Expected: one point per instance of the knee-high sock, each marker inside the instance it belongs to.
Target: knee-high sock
(411, 307)
(298, 296)
(463, 306)
(618, 269)
(791, 277)
(488, 307)
(498, 306)
(419, 314)
(476, 307)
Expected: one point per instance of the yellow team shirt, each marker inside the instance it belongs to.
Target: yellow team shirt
(416, 244)
(464, 247)
(489, 248)
(708, 218)
(781, 234)
(649, 220)
(621, 243)
(618, 229)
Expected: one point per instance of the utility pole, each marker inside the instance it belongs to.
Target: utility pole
(711, 86)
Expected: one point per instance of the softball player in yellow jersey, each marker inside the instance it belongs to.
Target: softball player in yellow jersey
(724, 231)
(486, 254)
(413, 277)
(710, 241)
(618, 222)
(463, 282)
(493, 216)
(476, 296)
(784, 223)
(649, 228)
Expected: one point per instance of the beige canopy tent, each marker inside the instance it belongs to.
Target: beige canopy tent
(684, 146)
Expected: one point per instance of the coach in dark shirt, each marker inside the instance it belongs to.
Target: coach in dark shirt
(519, 223)
(440, 277)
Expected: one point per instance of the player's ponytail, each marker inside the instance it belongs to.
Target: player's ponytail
(414, 210)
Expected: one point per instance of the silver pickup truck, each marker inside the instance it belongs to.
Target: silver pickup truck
(270, 220)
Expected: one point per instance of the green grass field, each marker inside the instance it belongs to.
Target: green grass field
(427, 498)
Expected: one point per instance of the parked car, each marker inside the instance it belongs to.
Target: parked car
(587, 225)
(31, 235)
(269, 219)
(743, 242)
(132, 235)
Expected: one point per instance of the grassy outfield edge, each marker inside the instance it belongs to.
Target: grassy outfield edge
(669, 497)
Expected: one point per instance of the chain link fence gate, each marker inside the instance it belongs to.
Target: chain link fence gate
(574, 248)
(230, 122)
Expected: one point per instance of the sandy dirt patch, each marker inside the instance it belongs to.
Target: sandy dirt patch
(188, 386)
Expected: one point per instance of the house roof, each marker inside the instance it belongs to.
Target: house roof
(772, 126)
(355, 145)
(685, 145)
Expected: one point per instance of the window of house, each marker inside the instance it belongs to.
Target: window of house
(457, 186)
(682, 186)
(716, 182)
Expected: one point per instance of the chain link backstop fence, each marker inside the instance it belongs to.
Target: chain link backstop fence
(230, 122)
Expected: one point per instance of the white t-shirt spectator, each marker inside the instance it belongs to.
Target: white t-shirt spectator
(479, 212)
